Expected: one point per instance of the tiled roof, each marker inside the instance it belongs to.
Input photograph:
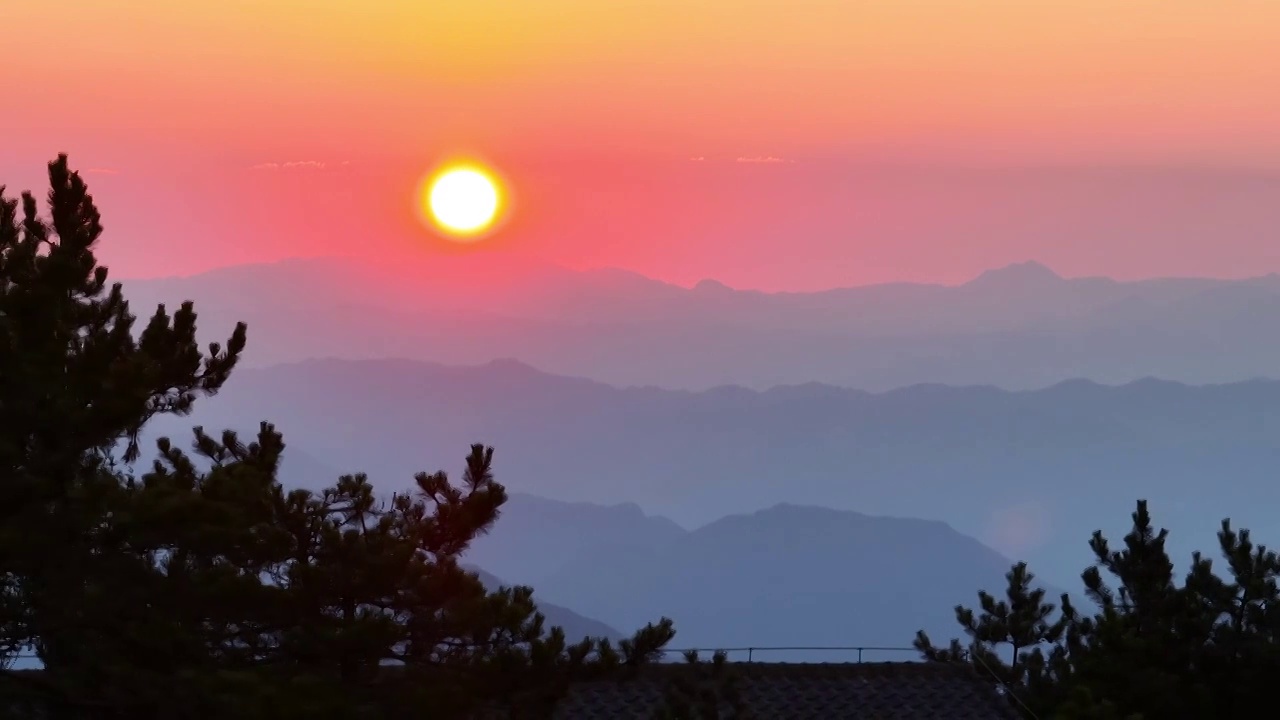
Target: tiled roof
(798, 691)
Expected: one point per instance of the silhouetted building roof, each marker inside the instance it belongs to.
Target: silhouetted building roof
(801, 691)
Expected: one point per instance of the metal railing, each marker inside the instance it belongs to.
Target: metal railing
(752, 651)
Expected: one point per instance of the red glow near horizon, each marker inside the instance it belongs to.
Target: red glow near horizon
(920, 141)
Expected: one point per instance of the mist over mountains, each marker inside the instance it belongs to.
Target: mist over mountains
(767, 505)
(790, 581)
(1030, 473)
(786, 576)
(1018, 327)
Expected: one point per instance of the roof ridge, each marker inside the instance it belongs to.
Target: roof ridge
(786, 691)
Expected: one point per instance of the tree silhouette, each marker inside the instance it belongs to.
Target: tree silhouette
(202, 588)
(1152, 648)
(705, 691)
(1021, 623)
(75, 386)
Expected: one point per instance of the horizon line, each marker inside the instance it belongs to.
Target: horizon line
(1028, 264)
(730, 387)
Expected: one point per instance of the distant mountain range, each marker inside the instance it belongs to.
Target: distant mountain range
(785, 577)
(789, 582)
(821, 514)
(1029, 473)
(1018, 327)
(537, 539)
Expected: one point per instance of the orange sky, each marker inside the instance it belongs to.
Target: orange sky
(609, 99)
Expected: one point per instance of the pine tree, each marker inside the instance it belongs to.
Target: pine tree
(1153, 648)
(703, 691)
(1243, 653)
(367, 605)
(1019, 628)
(76, 382)
(1134, 652)
(202, 588)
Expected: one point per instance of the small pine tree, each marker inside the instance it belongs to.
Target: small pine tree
(703, 691)
(1130, 652)
(1008, 638)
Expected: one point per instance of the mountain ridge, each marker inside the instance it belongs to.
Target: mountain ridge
(575, 625)
(692, 456)
(1020, 332)
(788, 576)
(1021, 270)
(526, 369)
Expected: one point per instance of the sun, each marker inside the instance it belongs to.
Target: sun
(463, 200)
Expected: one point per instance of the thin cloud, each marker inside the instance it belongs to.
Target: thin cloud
(763, 159)
(300, 165)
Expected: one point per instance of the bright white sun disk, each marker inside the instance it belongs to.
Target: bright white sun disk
(463, 200)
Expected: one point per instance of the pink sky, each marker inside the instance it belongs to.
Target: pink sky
(924, 140)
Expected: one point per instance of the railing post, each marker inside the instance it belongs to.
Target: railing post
(750, 653)
(859, 655)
